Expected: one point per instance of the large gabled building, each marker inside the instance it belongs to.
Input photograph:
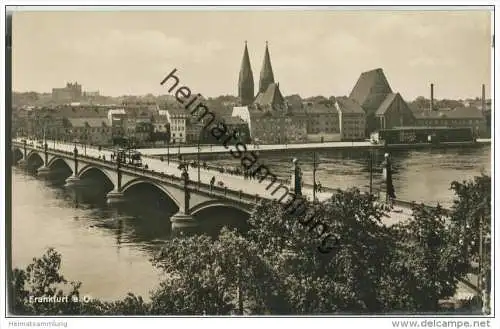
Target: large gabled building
(384, 109)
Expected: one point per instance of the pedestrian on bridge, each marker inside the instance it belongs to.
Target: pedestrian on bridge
(212, 182)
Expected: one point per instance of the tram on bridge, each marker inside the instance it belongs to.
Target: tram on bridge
(128, 156)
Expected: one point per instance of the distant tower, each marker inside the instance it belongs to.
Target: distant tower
(266, 75)
(245, 81)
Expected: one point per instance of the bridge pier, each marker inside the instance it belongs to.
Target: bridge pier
(182, 222)
(72, 181)
(43, 172)
(23, 164)
(115, 197)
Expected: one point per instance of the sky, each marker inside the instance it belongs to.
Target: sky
(312, 52)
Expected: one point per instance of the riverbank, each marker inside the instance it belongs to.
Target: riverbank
(219, 149)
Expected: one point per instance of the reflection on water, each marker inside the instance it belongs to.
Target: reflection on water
(108, 249)
(100, 247)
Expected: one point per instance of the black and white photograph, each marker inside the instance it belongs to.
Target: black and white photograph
(246, 161)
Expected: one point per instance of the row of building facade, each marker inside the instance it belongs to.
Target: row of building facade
(108, 125)
(371, 106)
(263, 117)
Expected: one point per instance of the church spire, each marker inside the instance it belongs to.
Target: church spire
(266, 75)
(245, 81)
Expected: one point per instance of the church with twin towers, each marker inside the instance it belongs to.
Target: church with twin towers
(371, 105)
(270, 118)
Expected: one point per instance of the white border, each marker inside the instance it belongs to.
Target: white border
(298, 322)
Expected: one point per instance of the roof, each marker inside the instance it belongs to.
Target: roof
(91, 122)
(240, 108)
(371, 89)
(117, 111)
(230, 120)
(177, 111)
(82, 111)
(271, 97)
(457, 113)
(320, 108)
(266, 74)
(137, 112)
(246, 74)
(389, 99)
(159, 118)
(349, 105)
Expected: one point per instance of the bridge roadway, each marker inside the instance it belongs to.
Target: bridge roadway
(234, 183)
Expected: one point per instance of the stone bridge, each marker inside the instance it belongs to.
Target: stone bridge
(189, 196)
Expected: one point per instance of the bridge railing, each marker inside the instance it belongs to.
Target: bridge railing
(200, 186)
(205, 188)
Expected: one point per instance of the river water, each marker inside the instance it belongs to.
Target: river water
(112, 257)
(419, 175)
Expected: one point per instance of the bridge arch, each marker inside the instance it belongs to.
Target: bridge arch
(218, 203)
(88, 168)
(33, 153)
(55, 160)
(213, 215)
(34, 158)
(17, 154)
(160, 187)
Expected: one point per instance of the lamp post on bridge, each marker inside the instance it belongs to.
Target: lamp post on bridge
(44, 171)
(116, 196)
(168, 152)
(23, 162)
(24, 148)
(75, 155)
(296, 180)
(371, 170)
(198, 158)
(73, 180)
(85, 141)
(183, 220)
(390, 192)
(185, 181)
(315, 185)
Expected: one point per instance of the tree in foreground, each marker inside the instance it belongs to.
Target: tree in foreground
(216, 277)
(277, 269)
(342, 280)
(471, 215)
(426, 261)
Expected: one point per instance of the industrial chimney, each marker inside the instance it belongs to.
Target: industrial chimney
(483, 100)
(431, 108)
